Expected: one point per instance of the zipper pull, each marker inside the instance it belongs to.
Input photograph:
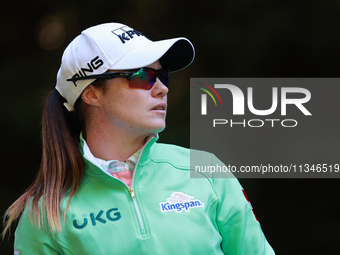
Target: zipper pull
(132, 194)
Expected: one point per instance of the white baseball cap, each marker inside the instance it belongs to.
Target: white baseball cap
(115, 46)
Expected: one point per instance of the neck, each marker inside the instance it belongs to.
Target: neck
(109, 145)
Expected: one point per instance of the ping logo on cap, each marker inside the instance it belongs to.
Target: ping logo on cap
(94, 64)
(126, 35)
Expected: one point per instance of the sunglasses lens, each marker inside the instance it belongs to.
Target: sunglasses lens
(164, 77)
(142, 79)
(146, 77)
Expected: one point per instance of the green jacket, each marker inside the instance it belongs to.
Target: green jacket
(165, 212)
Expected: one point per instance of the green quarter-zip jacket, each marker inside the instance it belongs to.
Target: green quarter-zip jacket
(165, 211)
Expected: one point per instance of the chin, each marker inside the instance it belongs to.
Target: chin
(157, 128)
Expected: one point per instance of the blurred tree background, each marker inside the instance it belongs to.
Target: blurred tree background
(233, 38)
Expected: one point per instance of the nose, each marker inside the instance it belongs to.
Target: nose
(159, 89)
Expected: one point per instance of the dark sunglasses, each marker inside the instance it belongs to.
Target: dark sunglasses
(143, 78)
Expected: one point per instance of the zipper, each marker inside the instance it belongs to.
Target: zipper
(132, 193)
(139, 216)
(130, 189)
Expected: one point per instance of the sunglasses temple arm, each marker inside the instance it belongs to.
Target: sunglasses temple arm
(102, 76)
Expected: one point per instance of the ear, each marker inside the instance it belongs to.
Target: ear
(91, 95)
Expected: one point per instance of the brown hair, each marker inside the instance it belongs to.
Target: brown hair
(61, 167)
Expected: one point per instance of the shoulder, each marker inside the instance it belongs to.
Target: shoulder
(183, 158)
(180, 156)
(32, 237)
(199, 164)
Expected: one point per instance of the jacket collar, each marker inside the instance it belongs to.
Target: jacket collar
(93, 165)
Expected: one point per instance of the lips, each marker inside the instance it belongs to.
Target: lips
(159, 107)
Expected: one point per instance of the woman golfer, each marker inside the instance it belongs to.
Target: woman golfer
(105, 186)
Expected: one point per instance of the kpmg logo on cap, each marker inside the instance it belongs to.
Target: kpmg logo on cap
(126, 33)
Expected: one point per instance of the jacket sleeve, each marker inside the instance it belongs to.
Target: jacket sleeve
(237, 223)
(31, 240)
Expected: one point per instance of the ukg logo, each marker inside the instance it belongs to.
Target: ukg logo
(241, 101)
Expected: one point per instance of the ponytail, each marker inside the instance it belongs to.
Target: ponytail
(61, 168)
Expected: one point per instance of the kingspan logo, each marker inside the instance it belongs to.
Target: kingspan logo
(179, 201)
(301, 97)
